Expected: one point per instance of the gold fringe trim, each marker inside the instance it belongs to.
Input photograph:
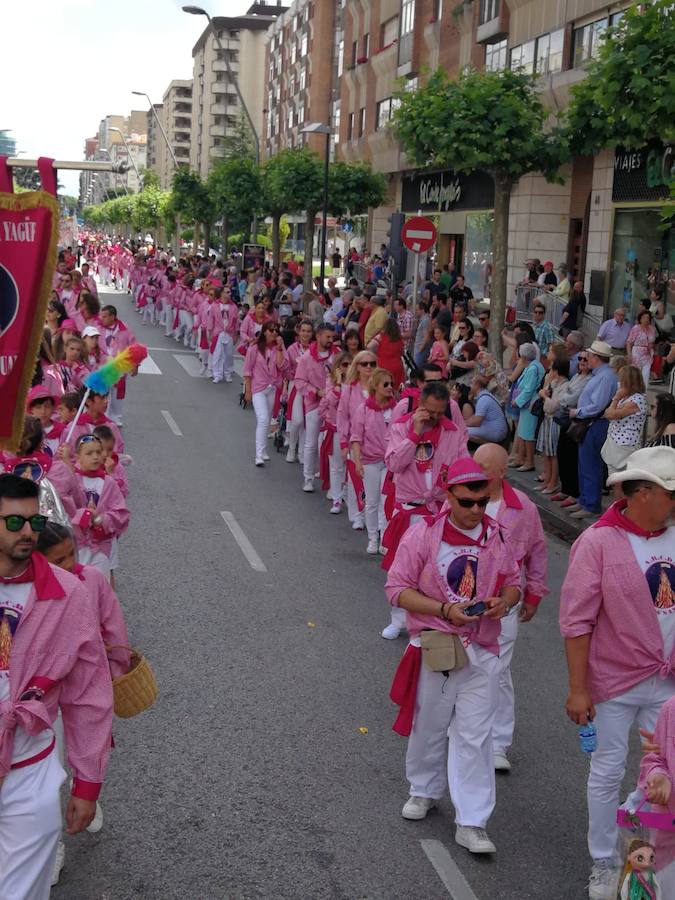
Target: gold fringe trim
(17, 203)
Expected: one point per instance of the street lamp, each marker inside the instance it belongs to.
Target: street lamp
(198, 11)
(126, 146)
(161, 127)
(320, 128)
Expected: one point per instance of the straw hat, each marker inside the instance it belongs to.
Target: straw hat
(654, 464)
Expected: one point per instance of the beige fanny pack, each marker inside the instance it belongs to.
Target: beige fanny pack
(442, 651)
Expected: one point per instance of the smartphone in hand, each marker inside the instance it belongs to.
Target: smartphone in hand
(476, 609)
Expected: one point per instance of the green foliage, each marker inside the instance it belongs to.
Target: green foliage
(27, 179)
(489, 121)
(628, 96)
(240, 143)
(292, 181)
(354, 188)
(191, 200)
(149, 179)
(235, 188)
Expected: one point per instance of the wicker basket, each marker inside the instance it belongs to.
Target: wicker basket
(137, 690)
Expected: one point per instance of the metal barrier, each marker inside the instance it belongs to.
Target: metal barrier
(527, 296)
(361, 270)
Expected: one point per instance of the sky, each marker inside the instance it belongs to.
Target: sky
(65, 64)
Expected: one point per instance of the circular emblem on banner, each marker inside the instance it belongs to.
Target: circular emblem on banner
(9, 300)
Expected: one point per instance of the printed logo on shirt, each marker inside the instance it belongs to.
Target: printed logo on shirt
(92, 497)
(660, 575)
(424, 455)
(31, 470)
(9, 621)
(459, 566)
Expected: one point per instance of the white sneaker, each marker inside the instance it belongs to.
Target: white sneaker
(358, 526)
(266, 457)
(336, 507)
(259, 461)
(475, 840)
(96, 823)
(417, 807)
(390, 633)
(59, 861)
(372, 548)
(382, 550)
(308, 486)
(501, 761)
(291, 456)
(228, 379)
(603, 882)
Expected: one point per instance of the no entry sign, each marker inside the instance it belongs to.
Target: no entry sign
(418, 234)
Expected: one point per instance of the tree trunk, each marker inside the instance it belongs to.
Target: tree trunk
(196, 232)
(207, 238)
(226, 236)
(309, 249)
(500, 239)
(276, 241)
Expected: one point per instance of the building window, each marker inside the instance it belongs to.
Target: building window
(301, 114)
(366, 45)
(388, 32)
(495, 56)
(549, 52)
(489, 10)
(587, 40)
(355, 52)
(336, 121)
(350, 127)
(407, 25)
(290, 118)
(294, 53)
(362, 121)
(340, 57)
(522, 57)
(383, 114)
(303, 79)
(303, 45)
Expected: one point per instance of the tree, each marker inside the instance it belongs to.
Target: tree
(240, 143)
(628, 96)
(235, 187)
(292, 181)
(484, 121)
(28, 179)
(354, 188)
(191, 200)
(149, 178)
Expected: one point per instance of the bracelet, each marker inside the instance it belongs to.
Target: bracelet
(443, 605)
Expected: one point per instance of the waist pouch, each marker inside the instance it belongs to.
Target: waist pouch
(442, 651)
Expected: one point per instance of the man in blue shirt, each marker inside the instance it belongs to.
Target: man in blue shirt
(594, 400)
(615, 331)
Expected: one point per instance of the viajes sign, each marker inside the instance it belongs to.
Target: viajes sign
(643, 174)
(446, 191)
(29, 225)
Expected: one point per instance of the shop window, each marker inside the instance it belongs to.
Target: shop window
(587, 40)
(549, 52)
(489, 10)
(641, 249)
(407, 25)
(495, 56)
(383, 114)
(522, 57)
(478, 252)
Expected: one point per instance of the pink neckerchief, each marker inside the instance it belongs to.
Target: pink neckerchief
(40, 573)
(314, 352)
(97, 473)
(616, 518)
(372, 403)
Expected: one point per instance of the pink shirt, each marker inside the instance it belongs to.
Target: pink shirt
(519, 515)
(370, 429)
(403, 407)
(263, 369)
(605, 594)
(310, 375)
(328, 406)
(412, 483)
(662, 763)
(351, 398)
(117, 338)
(415, 567)
(110, 617)
(113, 511)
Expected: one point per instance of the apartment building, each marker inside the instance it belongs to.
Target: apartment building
(215, 104)
(86, 178)
(302, 48)
(176, 119)
(602, 222)
(154, 136)
(113, 131)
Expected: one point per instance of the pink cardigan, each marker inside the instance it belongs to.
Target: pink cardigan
(328, 407)
(662, 763)
(262, 368)
(519, 515)
(410, 483)
(351, 398)
(110, 617)
(606, 595)
(369, 429)
(415, 567)
(310, 376)
(57, 648)
(113, 510)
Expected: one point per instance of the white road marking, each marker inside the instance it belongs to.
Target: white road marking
(447, 870)
(149, 367)
(190, 363)
(170, 350)
(245, 545)
(171, 422)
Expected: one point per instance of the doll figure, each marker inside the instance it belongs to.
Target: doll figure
(639, 882)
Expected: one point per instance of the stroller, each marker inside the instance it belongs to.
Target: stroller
(281, 427)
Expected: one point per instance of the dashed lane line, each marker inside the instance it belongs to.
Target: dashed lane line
(245, 545)
(447, 870)
(171, 422)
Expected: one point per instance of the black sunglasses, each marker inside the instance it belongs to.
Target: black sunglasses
(14, 522)
(369, 364)
(468, 502)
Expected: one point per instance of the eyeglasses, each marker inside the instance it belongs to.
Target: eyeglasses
(370, 365)
(14, 522)
(387, 384)
(468, 502)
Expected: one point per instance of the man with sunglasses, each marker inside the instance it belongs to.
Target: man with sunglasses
(617, 615)
(455, 575)
(51, 657)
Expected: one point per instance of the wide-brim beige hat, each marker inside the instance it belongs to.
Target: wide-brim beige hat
(655, 464)
(601, 348)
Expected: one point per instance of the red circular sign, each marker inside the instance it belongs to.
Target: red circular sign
(418, 234)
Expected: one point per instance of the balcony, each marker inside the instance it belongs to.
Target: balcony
(223, 87)
(181, 139)
(182, 107)
(219, 65)
(224, 109)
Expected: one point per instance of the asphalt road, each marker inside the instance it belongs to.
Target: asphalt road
(251, 777)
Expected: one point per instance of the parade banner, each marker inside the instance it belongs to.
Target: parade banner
(29, 228)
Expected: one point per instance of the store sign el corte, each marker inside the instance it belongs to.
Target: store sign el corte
(446, 191)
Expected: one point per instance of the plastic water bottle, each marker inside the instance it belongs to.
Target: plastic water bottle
(588, 738)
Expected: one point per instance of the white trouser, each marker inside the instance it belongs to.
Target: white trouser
(30, 826)
(222, 364)
(355, 515)
(104, 274)
(263, 404)
(184, 330)
(149, 311)
(460, 708)
(373, 479)
(666, 880)
(88, 556)
(646, 369)
(613, 720)
(336, 470)
(125, 280)
(296, 425)
(169, 318)
(310, 457)
(115, 406)
(505, 719)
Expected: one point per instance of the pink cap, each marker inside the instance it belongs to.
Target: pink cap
(68, 325)
(464, 471)
(40, 392)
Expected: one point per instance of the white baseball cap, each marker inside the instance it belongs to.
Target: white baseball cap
(91, 331)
